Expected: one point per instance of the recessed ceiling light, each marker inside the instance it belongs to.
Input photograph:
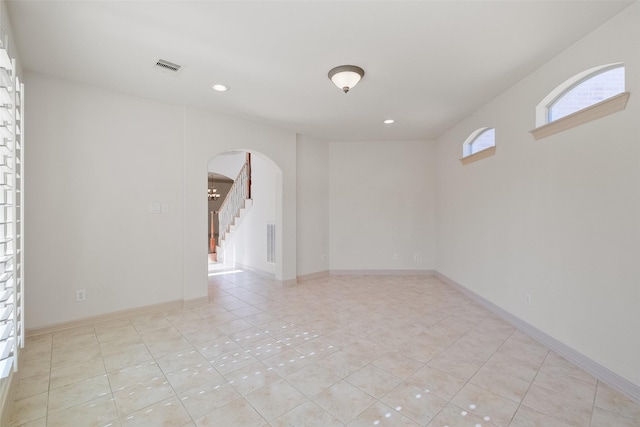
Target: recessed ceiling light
(220, 88)
(388, 121)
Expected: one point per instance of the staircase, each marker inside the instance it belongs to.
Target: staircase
(235, 205)
(236, 221)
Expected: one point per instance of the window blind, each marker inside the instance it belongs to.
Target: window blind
(11, 213)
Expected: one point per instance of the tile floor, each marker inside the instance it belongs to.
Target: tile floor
(356, 351)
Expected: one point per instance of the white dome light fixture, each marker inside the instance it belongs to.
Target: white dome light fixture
(346, 76)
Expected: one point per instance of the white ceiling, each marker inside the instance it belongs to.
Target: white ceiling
(428, 64)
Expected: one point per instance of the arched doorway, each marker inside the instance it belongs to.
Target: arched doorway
(249, 238)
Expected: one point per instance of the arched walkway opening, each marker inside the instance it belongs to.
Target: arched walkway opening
(246, 216)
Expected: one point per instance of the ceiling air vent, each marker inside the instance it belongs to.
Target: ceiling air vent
(168, 67)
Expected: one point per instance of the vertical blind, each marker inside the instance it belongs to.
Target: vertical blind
(11, 212)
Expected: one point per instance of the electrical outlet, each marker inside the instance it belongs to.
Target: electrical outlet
(395, 257)
(416, 256)
(527, 299)
(81, 295)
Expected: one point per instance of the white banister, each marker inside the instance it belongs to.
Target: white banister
(239, 192)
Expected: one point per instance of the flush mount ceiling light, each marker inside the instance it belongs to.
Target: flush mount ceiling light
(389, 121)
(346, 76)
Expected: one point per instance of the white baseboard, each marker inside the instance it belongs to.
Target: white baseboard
(381, 272)
(600, 372)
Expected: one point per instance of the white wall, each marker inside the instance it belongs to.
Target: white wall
(247, 246)
(555, 218)
(95, 160)
(313, 206)
(382, 198)
(228, 164)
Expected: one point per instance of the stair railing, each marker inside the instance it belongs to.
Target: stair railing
(235, 200)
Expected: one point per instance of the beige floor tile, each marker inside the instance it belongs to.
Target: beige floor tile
(602, 418)
(74, 373)
(74, 339)
(312, 379)
(612, 401)
(217, 346)
(555, 380)
(143, 394)
(500, 383)
(482, 403)
(233, 326)
(29, 409)
(316, 346)
(40, 422)
(307, 414)
(558, 365)
(166, 413)
(80, 392)
(37, 348)
(340, 338)
(454, 416)
(344, 401)
(419, 349)
(287, 362)
(527, 417)
(275, 399)
(495, 327)
(265, 348)
(200, 401)
(374, 381)
(129, 355)
(413, 402)
(62, 358)
(181, 316)
(456, 362)
(502, 363)
(557, 405)
(30, 368)
(150, 321)
(432, 380)
(180, 359)
(342, 363)
(398, 365)
(232, 361)
(96, 413)
(382, 415)
(366, 350)
(162, 347)
(237, 413)
(252, 377)
(204, 376)
(134, 374)
(30, 386)
(113, 335)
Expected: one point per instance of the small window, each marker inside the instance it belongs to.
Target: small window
(479, 140)
(595, 87)
(479, 145)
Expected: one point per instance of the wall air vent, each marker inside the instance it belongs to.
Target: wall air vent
(167, 67)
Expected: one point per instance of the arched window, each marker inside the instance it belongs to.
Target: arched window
(601, 85)
(587, 96)
(479, 140)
